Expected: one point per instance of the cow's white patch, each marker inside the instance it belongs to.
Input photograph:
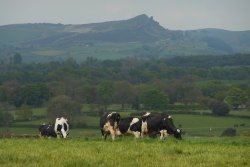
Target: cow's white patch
(169, 117)
(147, 114)
(134, 120)
(106, 126)
(178, 130)
(109, 115)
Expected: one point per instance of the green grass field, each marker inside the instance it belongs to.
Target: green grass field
(84, 146)
(202, 152)
(193, 125)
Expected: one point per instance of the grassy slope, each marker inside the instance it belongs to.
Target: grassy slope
(81, 52)
(124, 152)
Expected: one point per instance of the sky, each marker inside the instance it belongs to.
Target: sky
(171, 14)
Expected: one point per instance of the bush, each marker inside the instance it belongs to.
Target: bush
(229, 132)
(245, 134)
(6, 118)
(219, 108)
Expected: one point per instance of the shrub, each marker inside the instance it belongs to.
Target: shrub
(219, 108)
(245, 133)
(6, 118)
(229, 132)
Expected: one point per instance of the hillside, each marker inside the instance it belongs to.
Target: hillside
(140, 36)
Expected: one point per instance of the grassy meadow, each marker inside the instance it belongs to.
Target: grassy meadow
(125, 152)
(193, 125)
(201, 145)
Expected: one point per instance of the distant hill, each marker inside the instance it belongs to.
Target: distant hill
(140, 36)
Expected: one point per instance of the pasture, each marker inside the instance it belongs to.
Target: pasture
(200, 146)
(193, 125)
(125, 152)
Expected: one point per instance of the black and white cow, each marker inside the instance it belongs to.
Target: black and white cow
(109, 123)
(159, 123)
(47, 130)
(61, 127)
(131, 125)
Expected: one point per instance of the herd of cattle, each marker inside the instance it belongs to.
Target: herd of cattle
(113, 124)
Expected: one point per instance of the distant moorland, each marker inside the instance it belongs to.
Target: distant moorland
(140, 36)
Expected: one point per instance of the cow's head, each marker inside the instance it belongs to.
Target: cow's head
(177, 134)
(171, 129)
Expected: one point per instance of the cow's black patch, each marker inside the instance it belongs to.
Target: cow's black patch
(47, 130)
(161, 121)
(65, 126)
(59, 128)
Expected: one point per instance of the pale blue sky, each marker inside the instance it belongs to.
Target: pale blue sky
(171, 14)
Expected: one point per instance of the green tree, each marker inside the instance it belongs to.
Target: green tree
(24, 112)
(89, 93)
(17, 58)
(184, 90)
(3, 94)
(32, 95)
(236, 97)
(63, 106)
(6, 118)
(105, 92)
(154, 99)
(123, 93)
(213, 88)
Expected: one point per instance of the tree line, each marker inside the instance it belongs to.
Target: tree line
(150, 84)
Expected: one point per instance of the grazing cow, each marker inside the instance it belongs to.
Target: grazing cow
(156, 123)
(131, 125)
(109, 123)
(61, 127)
(47, 130)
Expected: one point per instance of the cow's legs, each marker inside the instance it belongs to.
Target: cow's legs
(163, 134)
(64, 134)
(112, 132)
(144, 129)
(103, 134)
(137, 134)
